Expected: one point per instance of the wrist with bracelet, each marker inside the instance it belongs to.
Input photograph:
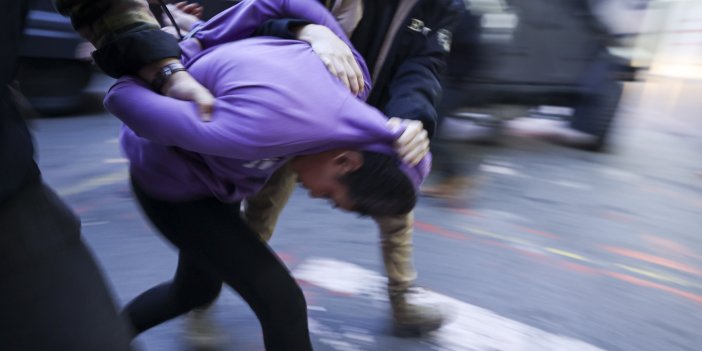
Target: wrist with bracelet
(164, 73)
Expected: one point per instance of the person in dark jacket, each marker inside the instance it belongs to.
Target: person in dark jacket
(46, 267)
(407, 62)
(405, 65)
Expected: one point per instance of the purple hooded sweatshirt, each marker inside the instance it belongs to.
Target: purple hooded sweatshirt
(275, 100)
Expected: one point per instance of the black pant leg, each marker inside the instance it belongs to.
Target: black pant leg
(220, 241)
(597, 106)
(191, 287)
(446, 158)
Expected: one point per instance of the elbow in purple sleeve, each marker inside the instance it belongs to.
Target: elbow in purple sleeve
(120, 100)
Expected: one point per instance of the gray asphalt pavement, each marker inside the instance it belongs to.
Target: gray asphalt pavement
(556, 249)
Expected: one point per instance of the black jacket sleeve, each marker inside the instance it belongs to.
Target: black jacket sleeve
(128, 52)
(415, 88)
(125, 33)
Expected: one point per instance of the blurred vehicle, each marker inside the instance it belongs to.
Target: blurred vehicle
(511, 57)
(52, 74)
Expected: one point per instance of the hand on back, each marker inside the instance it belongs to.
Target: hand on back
(335, 54)
(413, 144)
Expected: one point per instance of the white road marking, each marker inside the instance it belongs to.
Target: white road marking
(471, 328)
(120, 176)
(505, 216)
(89, 223)
(340, 345)
(316, 308)
(618, 174)
(499, 170)
(120, 160)
(332, 338)
(572, 185)
(360, 336)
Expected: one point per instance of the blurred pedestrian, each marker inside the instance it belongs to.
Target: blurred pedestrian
(471, 67)
(53, 294)
(405, 63)
(189, 175)
(453, 179)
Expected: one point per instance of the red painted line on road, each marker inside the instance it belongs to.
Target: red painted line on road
(430, 228)
(538, 232)
(310, 296)
(467, 212)
(656, 189)
(691, 199)
(670, 245)
(618, 216)
(646, 283)
(572, 266)
(130, 215)
(579, 268)
(83, 209)
(287, 258)
(654, 259)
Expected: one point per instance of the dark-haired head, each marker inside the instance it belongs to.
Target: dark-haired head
(379, 187)
(366, 182)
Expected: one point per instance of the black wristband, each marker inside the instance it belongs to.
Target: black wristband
(164, 73)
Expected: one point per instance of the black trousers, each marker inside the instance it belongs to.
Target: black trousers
(53, 296)
(216, 246)
(449, 160)
(597, 107)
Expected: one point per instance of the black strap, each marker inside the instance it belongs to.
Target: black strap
(170, 17)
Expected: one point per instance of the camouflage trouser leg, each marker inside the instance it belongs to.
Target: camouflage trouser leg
(262, 210)
(396, 242)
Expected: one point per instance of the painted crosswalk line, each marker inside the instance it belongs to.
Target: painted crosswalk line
(471, 328)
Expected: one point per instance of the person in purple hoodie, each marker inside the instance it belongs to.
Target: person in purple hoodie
(188, 175)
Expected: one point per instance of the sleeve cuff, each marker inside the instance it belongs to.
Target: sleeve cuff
(127, 53)
(409, 110)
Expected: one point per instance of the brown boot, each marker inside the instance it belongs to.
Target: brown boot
(451, 188)
(412, 317)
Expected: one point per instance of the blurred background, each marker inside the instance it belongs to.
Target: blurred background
(564, 211)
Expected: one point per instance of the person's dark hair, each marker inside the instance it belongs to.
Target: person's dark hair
(379, 187)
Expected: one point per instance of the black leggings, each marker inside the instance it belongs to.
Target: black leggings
(217, 246)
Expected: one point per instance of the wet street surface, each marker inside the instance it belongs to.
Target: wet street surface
(555, 249)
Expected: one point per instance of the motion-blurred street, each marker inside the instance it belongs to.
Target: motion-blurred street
(554, 249)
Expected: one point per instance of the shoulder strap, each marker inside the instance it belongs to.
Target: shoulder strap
(403, 10)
